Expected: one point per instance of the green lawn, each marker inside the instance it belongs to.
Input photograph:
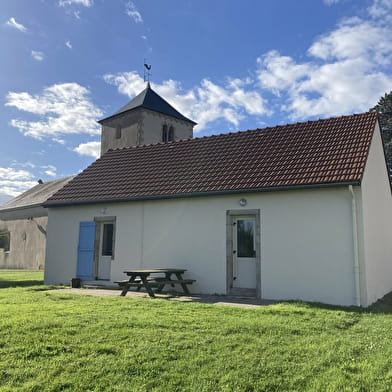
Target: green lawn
(63, 342)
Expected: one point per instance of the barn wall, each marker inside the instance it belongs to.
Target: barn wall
(27, 243)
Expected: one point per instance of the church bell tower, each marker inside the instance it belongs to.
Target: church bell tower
(146, 119)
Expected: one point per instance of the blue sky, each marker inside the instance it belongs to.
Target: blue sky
(228, 65)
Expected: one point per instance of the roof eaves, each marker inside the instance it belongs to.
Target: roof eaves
(185, 119)
(117, 114)
(25, 207)
(54, 204)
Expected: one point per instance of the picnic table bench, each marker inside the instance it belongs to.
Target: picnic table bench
(145, 278)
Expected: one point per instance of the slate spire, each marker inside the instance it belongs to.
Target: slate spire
(149, 99)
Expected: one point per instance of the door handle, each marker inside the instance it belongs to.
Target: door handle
(234, 252)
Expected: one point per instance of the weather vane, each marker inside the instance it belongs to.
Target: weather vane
(147, 71)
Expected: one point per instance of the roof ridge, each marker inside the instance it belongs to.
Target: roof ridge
(313, 121)
(254, 130)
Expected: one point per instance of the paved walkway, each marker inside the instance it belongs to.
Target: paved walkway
(202, 298)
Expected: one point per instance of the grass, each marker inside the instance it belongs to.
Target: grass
(63, 342)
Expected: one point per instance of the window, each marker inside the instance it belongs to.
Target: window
(107, 239)
(170, 136)
(5, 239)
(167, 133)
(164, 133)
(246, 238)
(118, 132)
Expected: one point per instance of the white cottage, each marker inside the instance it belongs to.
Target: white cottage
(299, 211)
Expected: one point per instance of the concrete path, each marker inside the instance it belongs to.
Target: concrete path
(202, 298)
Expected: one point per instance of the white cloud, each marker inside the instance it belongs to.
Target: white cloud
(381, 9)
(63, 109)
(90, 149)
(340, 88)
(132, 12)
(205, 103)
(13, 182)
(24, 164)
(347, 70)
(68, 45)
(278, 72)
(58, 140)
(8, 173)
(86, 3)
(69, 6)
(355, 38)
(14, 24)
(127, 83)
(50, 170)
(39, 56)
(331, 2)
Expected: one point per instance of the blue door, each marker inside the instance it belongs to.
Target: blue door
(85, 265)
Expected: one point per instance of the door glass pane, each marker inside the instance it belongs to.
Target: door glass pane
(107, 239)
(245, 238)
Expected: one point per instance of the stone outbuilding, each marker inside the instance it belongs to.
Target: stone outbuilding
(23, 225)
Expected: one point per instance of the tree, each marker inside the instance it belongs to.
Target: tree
(384, 110)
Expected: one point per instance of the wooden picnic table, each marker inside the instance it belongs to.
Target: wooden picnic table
(155, 278)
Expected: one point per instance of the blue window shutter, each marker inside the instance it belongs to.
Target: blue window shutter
(85, 265)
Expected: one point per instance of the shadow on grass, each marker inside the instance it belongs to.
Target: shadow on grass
(5, 284)
(382, 306)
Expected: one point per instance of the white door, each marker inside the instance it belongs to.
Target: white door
(244, 252)
(105, 251)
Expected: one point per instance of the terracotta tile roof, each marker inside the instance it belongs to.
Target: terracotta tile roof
(313, 153)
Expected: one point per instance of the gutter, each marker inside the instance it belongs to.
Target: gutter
(355, 245)
(54, 203)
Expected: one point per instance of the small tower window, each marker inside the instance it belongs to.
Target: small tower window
(164, 133)
(118, 132)
(170, 136)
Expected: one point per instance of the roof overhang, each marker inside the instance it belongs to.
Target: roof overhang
(103, 120)
(24, 212)
(201, 194)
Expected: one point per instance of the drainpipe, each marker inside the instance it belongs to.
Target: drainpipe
(142, 239)
(355, 243)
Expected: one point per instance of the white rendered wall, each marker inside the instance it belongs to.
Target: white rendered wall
(307, 247)
(377, 223)
(306, 241)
